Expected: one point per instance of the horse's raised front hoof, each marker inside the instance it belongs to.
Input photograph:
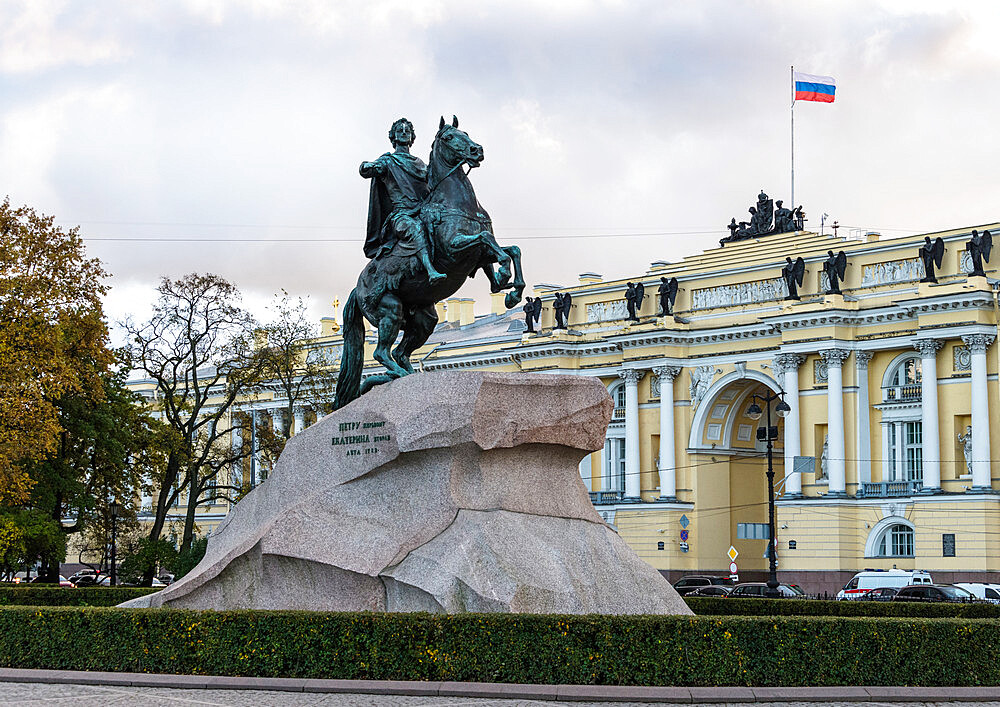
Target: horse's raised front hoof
(436, 278)
(512, 298)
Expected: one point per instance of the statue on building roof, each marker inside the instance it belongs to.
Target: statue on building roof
(765, 221)
(783, 222)
(794, 274)
(634, 294)
(561, 307)
(835, 267)
(532, 312)
(799, 218)
(979, 247)
(668, 295)
(427, 234)
(932, 255)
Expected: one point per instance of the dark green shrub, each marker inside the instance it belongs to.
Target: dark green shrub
(612, 650)
(189, 559)
(711, 606)
(54, 595)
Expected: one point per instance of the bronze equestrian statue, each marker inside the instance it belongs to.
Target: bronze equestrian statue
(427, 234)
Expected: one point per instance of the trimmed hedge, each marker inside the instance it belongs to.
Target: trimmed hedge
(722, 606)
(609, 650)
(54, 595)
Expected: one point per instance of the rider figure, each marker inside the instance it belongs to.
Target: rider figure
(399, 184)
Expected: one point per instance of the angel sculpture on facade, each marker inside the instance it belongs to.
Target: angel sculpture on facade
(668, 295)
(634, 294)
(793, 273)
(532, 312)
(979, 247)
(835, 267)
(561, 307)
(932, 255)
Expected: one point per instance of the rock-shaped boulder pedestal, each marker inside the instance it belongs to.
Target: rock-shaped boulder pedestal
(444, 492)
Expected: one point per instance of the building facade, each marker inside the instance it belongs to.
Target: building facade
(884, 459)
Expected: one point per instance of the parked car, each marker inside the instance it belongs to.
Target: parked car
(933, 593)
(760, 589)
(982, 590)
(84, 577)
(63, 582)
(105, 581)
(879, 594)
(867, 580)
(693, 581)
(712, 590)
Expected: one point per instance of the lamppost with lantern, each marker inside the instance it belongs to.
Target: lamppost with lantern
(115, 509)
(769, 433)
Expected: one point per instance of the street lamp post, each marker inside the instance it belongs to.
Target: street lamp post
(769, 433)
(115, 510)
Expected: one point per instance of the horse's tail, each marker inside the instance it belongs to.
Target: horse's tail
(353, 358)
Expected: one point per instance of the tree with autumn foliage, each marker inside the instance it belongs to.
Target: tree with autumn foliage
(53, 338)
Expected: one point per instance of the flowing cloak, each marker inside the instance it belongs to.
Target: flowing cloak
(410, 175)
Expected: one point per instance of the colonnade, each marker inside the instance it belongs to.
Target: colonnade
(786, 368)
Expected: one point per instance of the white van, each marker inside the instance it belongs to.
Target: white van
(873, 579)
(982, 590)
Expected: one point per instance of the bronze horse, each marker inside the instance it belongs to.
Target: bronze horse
(393, 292)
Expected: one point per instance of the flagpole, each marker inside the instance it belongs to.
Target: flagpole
(792, 69)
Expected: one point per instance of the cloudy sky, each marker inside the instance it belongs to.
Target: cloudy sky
(206, 135)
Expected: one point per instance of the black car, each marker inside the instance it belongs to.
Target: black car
(880, 594)
(760, 590)
(711, 590)
(693, 581)
(933, 593)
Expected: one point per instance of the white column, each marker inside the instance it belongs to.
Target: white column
(236, 477)
(931, 446)
(300, 420)
(277, 415)
(835, 419)
(863, 449)
(633, 484)
(981, 475)
(787, 367)
(667, 463)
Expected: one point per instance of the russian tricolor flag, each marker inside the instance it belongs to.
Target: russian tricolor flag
(814, 88)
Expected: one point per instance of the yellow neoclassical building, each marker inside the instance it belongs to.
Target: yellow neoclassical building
(884, 459)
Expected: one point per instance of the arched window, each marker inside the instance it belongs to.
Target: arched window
(896, 541)
(908, 372)
(620, 397)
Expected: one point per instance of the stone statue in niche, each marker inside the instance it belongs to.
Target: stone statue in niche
(979, 247)
(824, 460)
(668, 295)
(793, 274)
(561, 308)
(966, 441)
(932, 255)
(835, 267)
(634, 294)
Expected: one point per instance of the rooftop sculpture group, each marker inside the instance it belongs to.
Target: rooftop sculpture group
(427, 234)
(765, 220)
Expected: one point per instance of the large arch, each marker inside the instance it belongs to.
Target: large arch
(880, 529)
(742, 386)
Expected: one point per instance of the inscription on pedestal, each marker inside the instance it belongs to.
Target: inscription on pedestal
(361, 437)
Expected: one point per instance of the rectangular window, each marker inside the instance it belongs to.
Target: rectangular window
(614, 463)
(891, 432)
(752, 531)
(914, 451)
